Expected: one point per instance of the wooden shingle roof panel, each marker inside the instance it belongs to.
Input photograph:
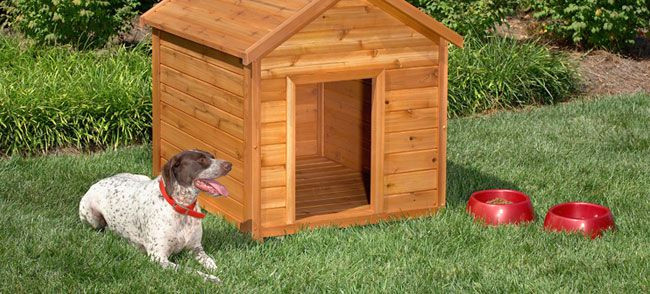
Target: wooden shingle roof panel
(250, 29)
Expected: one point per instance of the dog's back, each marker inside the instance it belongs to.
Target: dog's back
(117, 202)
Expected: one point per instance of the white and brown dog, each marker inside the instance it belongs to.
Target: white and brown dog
(159, 215)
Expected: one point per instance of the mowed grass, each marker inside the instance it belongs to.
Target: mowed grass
(595, 151)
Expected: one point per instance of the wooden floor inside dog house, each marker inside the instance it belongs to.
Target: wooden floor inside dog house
(325, 186)
(333, 129)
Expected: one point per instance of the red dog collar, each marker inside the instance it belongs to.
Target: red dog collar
(179, 208)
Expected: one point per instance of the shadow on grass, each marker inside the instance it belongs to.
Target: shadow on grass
(463, 181)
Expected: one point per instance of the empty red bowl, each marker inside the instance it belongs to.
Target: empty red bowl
(589, 218)
(501, 206)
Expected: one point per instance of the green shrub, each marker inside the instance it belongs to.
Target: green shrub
(81, 23)
(505, 73)
(605, 24)
(56, 97)
(468, 18)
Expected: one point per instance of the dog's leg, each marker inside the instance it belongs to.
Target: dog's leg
(165, 263)
(203, 258)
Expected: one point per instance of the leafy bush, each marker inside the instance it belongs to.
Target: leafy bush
(505, 73)
(468, 18)
(55, 97)
(594, 23)
(82, 23)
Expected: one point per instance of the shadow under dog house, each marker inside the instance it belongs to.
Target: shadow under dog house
(333, 112)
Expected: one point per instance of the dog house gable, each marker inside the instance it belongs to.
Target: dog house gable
(236, 78)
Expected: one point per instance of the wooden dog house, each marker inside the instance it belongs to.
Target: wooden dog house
(333, 112)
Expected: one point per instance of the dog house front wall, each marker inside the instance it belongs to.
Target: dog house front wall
(198, 102)
(350, 40)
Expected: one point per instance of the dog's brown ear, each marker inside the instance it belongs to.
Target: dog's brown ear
(169, 174)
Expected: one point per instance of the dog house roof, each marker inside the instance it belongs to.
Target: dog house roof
(249, 29)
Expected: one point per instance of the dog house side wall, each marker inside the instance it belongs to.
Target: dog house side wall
(199, 101)
(356, 36)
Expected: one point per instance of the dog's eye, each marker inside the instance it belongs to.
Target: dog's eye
(205, 161)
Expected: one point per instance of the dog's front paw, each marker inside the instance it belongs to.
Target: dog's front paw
(209, 278)
(209, 264)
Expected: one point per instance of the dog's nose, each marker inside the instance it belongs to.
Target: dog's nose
(226, 165)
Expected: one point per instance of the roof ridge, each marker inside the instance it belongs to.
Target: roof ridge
(286, 29)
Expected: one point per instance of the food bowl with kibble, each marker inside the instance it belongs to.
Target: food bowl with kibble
(588, 218)
(501, 206)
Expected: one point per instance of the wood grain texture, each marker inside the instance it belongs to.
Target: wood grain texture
(411, 119)
(155, 97)
(203, 91)
(409, 78)
(411, 140)
(252, 29)
(442, 158)
(286, 29)
(378, 142)
(416, 98)
(205, 112)
(274, 197)
(411, 201)
(410, 182)
(347, 120)
(275, 154)
(253, 146)
(410, 161)
(291, 144)
(202, 131)
(306, 118)
(344, 219)
(199, 69)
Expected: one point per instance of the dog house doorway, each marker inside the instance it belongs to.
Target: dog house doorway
(333, 146)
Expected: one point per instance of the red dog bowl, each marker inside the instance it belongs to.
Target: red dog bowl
(500, 206)
(591, 219)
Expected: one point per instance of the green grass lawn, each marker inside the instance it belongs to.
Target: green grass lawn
(595, 151)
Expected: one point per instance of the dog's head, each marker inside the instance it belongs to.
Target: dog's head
(195, 169)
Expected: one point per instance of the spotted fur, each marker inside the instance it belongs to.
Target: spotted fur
(133, 207)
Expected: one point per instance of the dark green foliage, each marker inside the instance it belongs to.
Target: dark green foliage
(505, 73)
(472, 19)
(55, 97)
(607, 24)
(81, 23)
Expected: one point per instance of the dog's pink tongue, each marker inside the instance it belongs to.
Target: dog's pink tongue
(211, 186)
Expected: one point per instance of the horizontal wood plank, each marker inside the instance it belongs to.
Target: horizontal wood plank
(275, 154)
(199, 69)
(274, 197)
(406, 99)
(273, 176)
(202, 52)
(410, 161)
(274, 216)
(411, 140)
(274, 133)
(202, 131)
(411, 119)
(409, 78)
(411, 201)
(273, 111)
(410, 182)
(203, 91)
(205, 112)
